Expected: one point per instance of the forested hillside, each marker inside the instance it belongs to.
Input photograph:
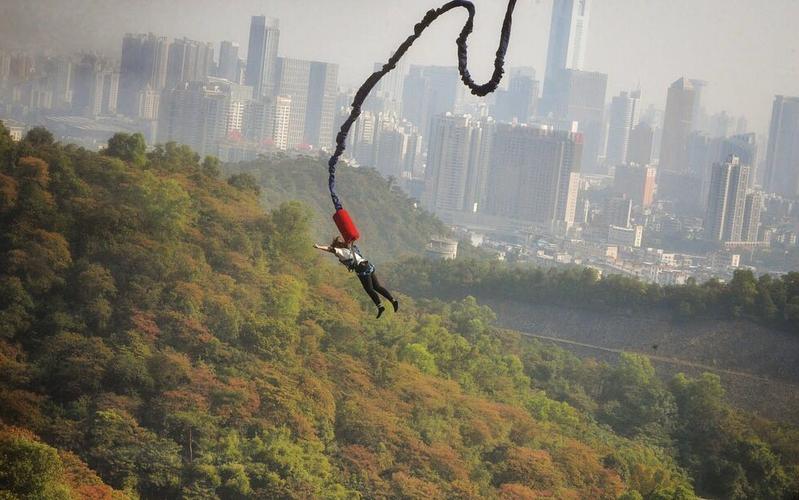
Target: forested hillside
(162, 336)
(391, 224)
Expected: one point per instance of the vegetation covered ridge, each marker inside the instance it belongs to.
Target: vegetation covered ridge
(161, 336)
(391, 223)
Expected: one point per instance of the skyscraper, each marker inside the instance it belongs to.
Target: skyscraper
(293, 78)
(534, 174)
(262, 55)
(624, 113)
(321, 111)
(677, 126)
(568, 38)
(698, 118)
(429, 91)
(189, 61)
(782, 155)
(228, 61)
(390, 86)
(519, 101)
(143, 66)
(641, 141)
(580, 98)
(726, 204)
(744, 146)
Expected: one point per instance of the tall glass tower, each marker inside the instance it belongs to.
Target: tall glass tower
(568, 38)
(262, 55)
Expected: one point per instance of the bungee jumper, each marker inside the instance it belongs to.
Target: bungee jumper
(350, 256)
(343, 247)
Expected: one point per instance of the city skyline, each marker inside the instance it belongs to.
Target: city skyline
(738, 46)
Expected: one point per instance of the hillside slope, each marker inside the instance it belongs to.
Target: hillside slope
(158, 327)
(391, 224)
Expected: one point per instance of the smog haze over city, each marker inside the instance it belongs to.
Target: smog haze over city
(305, 249)
(747, 50)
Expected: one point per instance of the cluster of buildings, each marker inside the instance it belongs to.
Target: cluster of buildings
(603, 182)
(610, 184)
(177, 90)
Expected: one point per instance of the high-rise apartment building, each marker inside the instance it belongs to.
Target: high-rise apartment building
(752, 209)
(782, 154)
(390, 146)
(95, 87)
(624, 114)
(361, 140)
(744, 146)
(534, 174)
(228, 67)
(149, 102)
(189, 61)
(724, 220)
(454, 161)
(280, 122)
(262, 55)
(200, 114)
(61, 74)
(143, 66)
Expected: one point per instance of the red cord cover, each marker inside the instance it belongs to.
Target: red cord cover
(346, 226)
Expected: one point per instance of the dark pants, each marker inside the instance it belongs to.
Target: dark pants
(373, 287)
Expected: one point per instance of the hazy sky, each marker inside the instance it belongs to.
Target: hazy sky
(748, 50)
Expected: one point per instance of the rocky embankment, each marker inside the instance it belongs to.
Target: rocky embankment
(758, 366)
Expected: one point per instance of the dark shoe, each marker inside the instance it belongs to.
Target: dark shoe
(395, 303)
(380, 310)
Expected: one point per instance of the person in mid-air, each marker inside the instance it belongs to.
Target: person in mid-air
(351, 257)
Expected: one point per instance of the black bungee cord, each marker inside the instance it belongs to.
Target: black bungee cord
(466, 78)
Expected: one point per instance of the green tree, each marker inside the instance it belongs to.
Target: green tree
(29, 469)
(38, 137)
(634, 401)
(245, 182)
(128, 147)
